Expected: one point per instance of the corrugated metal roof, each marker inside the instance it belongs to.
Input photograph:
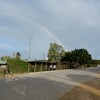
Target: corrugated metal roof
(3, 62)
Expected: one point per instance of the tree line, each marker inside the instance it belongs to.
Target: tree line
(56, 53)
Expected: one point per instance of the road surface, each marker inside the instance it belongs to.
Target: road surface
(44, 86)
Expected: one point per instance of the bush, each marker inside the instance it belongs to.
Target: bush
(17, 66)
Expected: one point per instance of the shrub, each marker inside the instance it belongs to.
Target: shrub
(17, 66)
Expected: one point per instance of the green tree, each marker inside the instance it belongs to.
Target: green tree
(18, 55)
(17, 66)
(68, 57)
(55, 52)
(5, 58)
(80, 56)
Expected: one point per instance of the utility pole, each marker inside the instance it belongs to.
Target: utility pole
(44, 57)
(42, 62)
(29, 48)
(29, 53)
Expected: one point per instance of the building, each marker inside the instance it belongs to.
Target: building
(3, 64)
(3, 67)
(40, 65)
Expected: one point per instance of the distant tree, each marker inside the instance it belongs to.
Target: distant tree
(94, 61)
(80, 56)
(98, 62)
(55, 52)
(17, 66)
(68, 57)
(18, 55)
(5, 58)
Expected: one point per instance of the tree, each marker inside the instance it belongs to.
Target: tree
(68, 57)
(17, 66)
(55, 52)
(18, 55)
(80, 56)
(5, 58)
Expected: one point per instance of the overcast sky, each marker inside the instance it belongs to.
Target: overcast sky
(70, 23)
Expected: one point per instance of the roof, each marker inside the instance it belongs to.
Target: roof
(3, 62)
(41, 62)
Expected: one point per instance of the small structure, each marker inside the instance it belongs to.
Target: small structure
(40, 65)
(3, 67)
(3, 64)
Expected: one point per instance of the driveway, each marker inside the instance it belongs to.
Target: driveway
(44, 86)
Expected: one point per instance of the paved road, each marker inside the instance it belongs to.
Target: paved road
(45, 85)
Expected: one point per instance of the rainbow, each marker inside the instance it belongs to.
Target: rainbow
(36, 24)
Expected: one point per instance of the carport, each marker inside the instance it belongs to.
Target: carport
(43, 65)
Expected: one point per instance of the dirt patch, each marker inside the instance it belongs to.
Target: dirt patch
(89, 90)
(11, 75)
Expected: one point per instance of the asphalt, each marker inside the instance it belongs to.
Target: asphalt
(48, 85)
